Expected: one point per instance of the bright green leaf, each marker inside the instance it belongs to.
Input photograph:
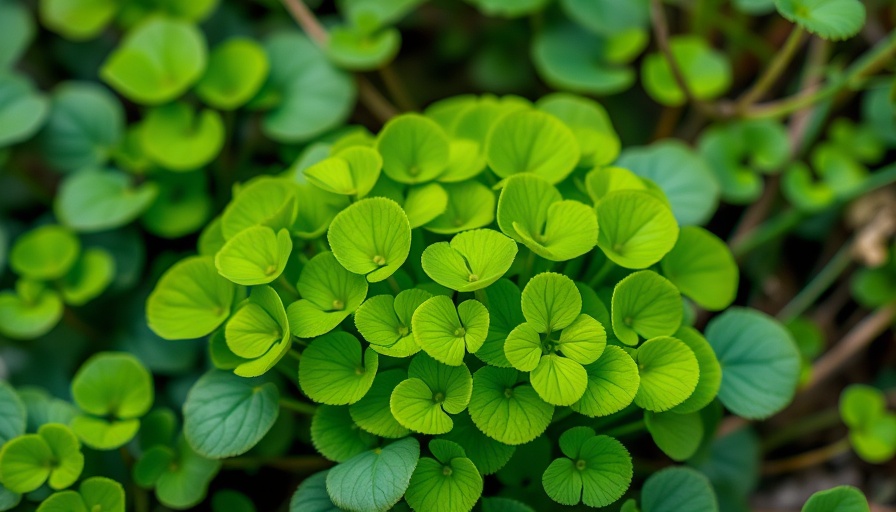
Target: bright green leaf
(645, 304)
(334, 371)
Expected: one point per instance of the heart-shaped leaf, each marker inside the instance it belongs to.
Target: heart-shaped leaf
(506, 408)
(597, 470)
(371, 237)
(52, 455)
(531, 142)
(237, 68)
(471, 205)
(334, 371)
(448, 483)
(471, 261)
(177, 138)
(636, 228)
(352, 172)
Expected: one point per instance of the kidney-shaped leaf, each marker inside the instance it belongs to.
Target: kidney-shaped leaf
(830, 19)
(423, 402)
(471, 261)
(448, 483)
(646, 304)
(597, 470)
(330, 293)
(374, 480)
(414, 148)
(237, 68)
(258, 332)
(334, 371)
(386, 321)
(760, 362)
(534, 142)
(254, 256)
(506, 408)
(226, 415)
(371, 237)
(45, 253)
(669, 373)
(636, 228)
(97, 200)
(177, 138)
(703, 268)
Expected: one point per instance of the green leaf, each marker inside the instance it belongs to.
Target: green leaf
(320, 208)
(448, 483)
(152, 465)
(12, 413)
(29, 317)
(182, 206)
(263, 201)
(18, 29)
(465, 162)
(336, 436)
(569, 57)
(588, 121)
(636, 228)
(423, 402)
(357, 49)
(505, 313)
(372, 412)
(872, 430)
(237, 68)
(534, 213)
(226, 415)
(96, 200)
(507, 409)
(471, 261)
(861, 404)
(608, 16)
(42, 408)
(759, 359)
(600, 181)
(157, 61)
(669, 373)
(178, 138)
(334, 371)
(94, 494)
(102, 434)
(45, 253)
(598, 470)
(471, 205)
(523, 347)
(681, 173)
(710, 371)
(844, 498)
(258, 332)
(447, 333)
(559, 380)
(51, 455)
(706, 72)
(414, 149)
(385, 322)
(113, 384)
(645, 304)
(254, 256)
(78, 20)
(487, 454)
(383, 475)
(352, 172)
(22, 109)
(330, 293)
(65, 501)
(829, 19)
(551, 302)
(371, 237)
(311, 496)
(90, 276)
(737, 152)
(703, 268)
(678, 435)
(85, 124)
(531, 142)
(424, 203)
(232, 501)
(613, 381)
(676, 489)
(508, 8)
(190, 300)
(310, 95)
(185, 483)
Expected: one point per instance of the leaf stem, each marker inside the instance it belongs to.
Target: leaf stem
(393, 284)
(602, 272)
(528, 266)
(289, 287)
(854, 77)
(628, 428)
(800, 428)
(774, 70)
(807, 459)
(299, 463)
(297, 406)
(396, 88)
(818, 284)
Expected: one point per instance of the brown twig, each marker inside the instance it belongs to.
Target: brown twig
(807, 459)
(307, 20)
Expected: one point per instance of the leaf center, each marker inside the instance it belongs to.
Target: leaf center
(338, 305)
(460, 332)
(581, 464)
(446, 470)
(379, 260)
(403, 330)
(439, 397)
(473, 278)
(269, 271)
(508, 392)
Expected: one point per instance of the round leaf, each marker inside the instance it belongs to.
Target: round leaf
(676, 489)
(385, 322)
(829, 19)
(678, 435)
(254, 256)
(447, 333)
(471, 261)
(353, 171)
(333, 371)
(703, 268)
(356, 49)
(710, 371)
(669, 373)
(45, 253)
(533, 142)
(471, 205)
(157, 61)
(645, 304)
(226, 415)
(759, 359)
(330, 293)
(371, 237)
(22, 109)
(613, 381)
(113, 384)
(550, 302)
(258, 333)
(335, 435)
(432, 391)
(706, 72)
(236, 71)
(636, 228)
(506, 408)
(444, 485)
(383, 473)
(372, 412)
(31, 317)
(177, 138)
(597, 473)
(96, 200)
(843, 498)
(414, 149)
(190, 300)
(559, 380)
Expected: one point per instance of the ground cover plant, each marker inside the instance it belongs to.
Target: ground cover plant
(447, 255)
